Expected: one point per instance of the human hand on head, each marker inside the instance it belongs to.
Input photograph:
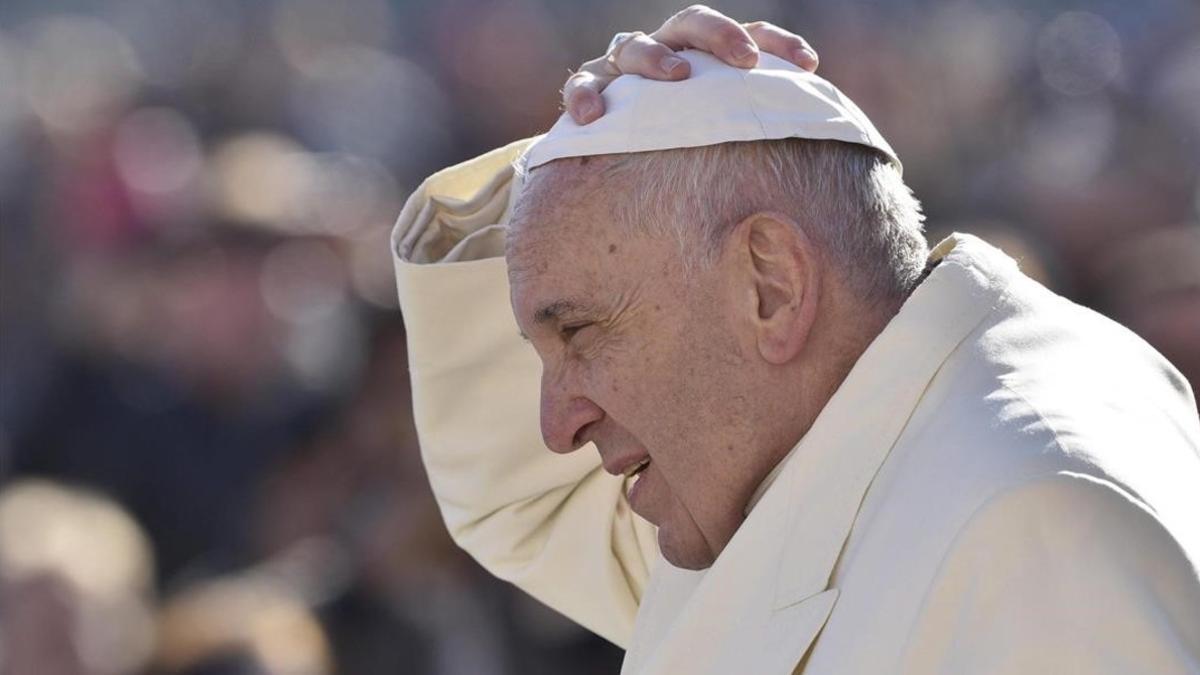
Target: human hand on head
(652, 56)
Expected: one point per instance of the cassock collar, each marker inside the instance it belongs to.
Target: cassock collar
(935, 258)
(825, 477)
(802, 520)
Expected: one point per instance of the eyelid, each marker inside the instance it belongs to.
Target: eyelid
(568, 331)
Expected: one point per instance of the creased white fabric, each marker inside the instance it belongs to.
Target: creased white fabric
(1005, 483)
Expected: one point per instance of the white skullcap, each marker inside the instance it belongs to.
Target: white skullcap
(716, 104)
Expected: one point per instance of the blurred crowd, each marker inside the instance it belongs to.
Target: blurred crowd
(207, 454)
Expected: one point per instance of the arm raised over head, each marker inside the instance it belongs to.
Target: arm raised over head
(557, 526)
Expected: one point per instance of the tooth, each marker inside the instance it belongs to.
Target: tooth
(637, 467)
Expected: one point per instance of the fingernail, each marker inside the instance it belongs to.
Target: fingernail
(805, 55)
(670, 63)
(744, 52)
(587, 111)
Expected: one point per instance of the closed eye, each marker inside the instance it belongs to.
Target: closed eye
(569, 332)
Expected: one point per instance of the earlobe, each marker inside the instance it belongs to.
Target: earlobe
(783, 272)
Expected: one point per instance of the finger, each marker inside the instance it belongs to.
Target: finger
(637, 55)
(784, 44)
(581, 93)
(642, 55)
(703, 28)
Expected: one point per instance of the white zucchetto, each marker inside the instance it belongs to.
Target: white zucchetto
(716, 104)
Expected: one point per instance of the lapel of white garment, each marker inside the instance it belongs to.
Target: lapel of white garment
(767, 596)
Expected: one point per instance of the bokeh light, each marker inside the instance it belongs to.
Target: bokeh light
(306, 30)
(101, 562)
(1069, 145)
(260, 178)
(157, 151)
(1177, 87)
(206, 432)
(350, 195)
(179, 44)
(367, 102)
(303, 281)
(78, 73)
(1079, 53)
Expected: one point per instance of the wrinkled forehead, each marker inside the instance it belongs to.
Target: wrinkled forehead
(565, 206)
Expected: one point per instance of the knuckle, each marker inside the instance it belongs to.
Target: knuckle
(728, 33)
(622, 39)
(647, 45)
(759, 25)
(691, 13)
(657, 50)
(625, 43)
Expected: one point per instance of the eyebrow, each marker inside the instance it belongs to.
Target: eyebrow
(556, 312)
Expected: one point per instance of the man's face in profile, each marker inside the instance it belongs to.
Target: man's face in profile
(639, 358)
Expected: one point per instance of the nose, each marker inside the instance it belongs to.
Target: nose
(564, 415)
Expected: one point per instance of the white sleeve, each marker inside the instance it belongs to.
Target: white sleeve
(557, 526)
(1063, 574)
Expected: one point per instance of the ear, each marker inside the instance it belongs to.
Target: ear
(781, 265)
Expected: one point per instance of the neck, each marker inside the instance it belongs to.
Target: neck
(838, 341)
(840, 338)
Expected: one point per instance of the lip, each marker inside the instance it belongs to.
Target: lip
(633, 491)
(624, 464)
(620, 465)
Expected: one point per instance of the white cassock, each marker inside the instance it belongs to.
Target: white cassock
(1006, 482)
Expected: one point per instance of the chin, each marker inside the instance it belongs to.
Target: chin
(689, 553)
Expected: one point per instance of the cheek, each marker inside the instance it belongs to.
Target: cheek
(698, 377)
(630, 372)
(668, 381)
(647, 394)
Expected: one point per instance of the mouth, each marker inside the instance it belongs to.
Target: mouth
(636, 468)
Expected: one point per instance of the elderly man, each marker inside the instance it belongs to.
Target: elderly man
(818, 445)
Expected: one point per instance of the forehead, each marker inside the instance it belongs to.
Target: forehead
(565, 247)
(564, 215)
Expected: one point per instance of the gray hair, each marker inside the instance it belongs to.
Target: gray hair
(850, 200)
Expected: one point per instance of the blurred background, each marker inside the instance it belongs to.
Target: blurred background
(206, 448)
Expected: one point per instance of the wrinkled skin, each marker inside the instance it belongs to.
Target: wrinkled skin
(701, 373)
